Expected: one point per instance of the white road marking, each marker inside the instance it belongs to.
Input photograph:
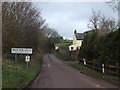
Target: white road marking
(98, 86)
(48, 65)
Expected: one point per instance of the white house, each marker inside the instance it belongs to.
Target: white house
(77, 41)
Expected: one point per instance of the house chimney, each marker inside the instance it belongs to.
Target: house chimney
(75, 31)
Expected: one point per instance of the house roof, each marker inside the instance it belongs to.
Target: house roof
(79, 36)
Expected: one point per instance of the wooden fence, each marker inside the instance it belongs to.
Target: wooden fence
(108, 69)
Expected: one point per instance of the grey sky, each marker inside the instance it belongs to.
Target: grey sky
(65, 17)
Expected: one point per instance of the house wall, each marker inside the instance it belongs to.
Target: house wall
(72, 46)
(74, 39)
(78, 43)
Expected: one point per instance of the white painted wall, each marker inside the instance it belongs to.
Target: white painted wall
(74, 39)
(72, 46)
(76, 44)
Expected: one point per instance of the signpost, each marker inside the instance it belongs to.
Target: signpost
(22, 51)
(27, 59)
(15, 57)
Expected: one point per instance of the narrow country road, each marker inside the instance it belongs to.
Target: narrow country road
(57, 74)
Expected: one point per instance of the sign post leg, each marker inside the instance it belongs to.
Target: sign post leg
(27, 59)
(16, 57)
(27, 64)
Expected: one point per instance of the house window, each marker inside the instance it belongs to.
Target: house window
(71, 48)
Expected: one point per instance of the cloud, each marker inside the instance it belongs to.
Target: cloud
(66, 17)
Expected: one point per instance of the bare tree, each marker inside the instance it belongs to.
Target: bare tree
(107, 23)
(21, 26)
(99, 21)
(48, 32)
(115, 5)
(94, 20)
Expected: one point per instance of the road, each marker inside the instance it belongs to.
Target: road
(57, 74)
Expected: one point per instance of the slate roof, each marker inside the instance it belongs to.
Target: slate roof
(79, 36)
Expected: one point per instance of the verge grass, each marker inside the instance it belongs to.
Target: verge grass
(96, 74)
(16, 74)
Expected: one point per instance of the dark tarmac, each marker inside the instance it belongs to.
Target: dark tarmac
(57, 74)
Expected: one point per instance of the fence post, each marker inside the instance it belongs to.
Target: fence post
(84, 61)
(103, 69)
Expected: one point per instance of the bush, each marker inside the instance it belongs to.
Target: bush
(102, 49)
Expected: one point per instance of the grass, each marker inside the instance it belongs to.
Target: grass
(16, 74)
(91, 72)
(62, 56)
(63, 53)
(64, 43)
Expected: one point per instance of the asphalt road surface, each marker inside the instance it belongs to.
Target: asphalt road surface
(57, 74)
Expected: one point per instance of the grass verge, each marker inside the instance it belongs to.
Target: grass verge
(62, 56)
(16, 74)
(91, 72)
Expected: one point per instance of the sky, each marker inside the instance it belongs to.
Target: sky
(65, 17)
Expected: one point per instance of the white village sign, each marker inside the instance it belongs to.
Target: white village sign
(22, 51)
(27, 59)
